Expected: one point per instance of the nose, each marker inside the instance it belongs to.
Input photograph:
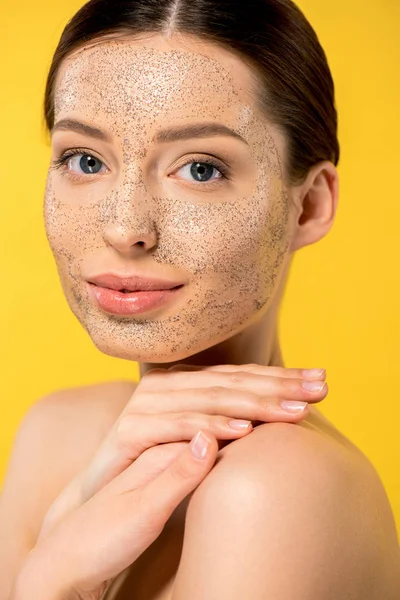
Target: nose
(129, 239)
(131, 228)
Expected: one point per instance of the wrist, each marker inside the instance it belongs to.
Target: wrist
(37, 581)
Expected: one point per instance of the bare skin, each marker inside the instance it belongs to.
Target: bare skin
(152, 576)
(230, 240)
(234, 281)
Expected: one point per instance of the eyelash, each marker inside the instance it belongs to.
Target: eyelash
(60, 163)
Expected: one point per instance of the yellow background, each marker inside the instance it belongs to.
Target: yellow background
(341, 309)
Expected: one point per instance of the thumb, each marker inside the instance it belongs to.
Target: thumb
(182, 476)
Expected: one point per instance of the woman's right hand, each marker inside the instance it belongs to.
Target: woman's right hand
(168, 407)
(94, 543)
(172, 405)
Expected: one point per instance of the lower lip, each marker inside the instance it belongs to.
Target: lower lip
(132, 303)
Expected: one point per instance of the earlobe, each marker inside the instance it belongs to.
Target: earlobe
(317, 199)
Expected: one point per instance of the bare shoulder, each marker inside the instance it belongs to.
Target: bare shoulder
(55, 440)
(295, 486)
(79, 418)
(324, 459)
(58, 436)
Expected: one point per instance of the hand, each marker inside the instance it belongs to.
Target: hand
(171, 405)
(97, 541)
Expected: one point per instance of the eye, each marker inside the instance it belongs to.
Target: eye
(89, 164)
(77, 163)
(200, 172)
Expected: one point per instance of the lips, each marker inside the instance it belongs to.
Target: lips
(133, 283)
(146, 296)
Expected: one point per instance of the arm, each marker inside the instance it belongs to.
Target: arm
(37, 583)
(54, 441)
(285, 514)
(22, 494)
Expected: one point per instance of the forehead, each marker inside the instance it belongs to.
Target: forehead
(123, 81)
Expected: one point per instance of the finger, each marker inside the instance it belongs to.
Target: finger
(133, 434)
(136, 433)
(136, 516)
(228, 375)
(166, 418)
(271, 371)
(184, 367)
(163, 494)
(147, 467)
(222, 390)
(118, 451)
(319, 374)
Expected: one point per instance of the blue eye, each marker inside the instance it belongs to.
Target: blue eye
(200, 172)
(79, 162)
(88, 164)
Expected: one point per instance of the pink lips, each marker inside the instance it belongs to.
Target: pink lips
(143, 294)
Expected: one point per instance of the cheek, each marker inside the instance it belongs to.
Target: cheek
(240, 244)
(70, 227)
(52, 208)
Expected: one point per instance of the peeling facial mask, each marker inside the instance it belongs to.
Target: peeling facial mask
(227, 239)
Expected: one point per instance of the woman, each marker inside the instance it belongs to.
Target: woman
(196, 143)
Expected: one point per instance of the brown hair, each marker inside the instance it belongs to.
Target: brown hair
(274, 36)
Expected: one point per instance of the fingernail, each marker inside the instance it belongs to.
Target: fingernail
(293, 406)
(313, 386)
(239, 424)
(199, 445)
(313, 372)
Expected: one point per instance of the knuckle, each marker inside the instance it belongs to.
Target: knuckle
(254, 399)
(124, 425)
(215, 392)
(186, 418)
(157, 371)
(181, 469)
(214, 367)
(124, 435)
(143, 399)
(289, 385)
(181, 367)
(188, 421)
(252, 366)
(236, 378)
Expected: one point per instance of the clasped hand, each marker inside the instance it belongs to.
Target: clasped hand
(112, 511)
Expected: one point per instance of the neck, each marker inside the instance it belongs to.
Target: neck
(258, 344)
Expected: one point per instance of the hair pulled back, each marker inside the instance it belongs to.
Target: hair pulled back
(273, 36)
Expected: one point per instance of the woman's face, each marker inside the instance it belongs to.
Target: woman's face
(207, 208)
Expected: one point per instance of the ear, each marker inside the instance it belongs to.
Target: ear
(316, 200)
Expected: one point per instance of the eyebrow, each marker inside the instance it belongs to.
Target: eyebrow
(171, 134)
(197, 130)
(78, 127)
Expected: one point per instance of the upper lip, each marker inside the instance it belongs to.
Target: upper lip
(132, 283)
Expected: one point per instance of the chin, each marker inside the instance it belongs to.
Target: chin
(161, 354)
(152, 341)
(150, 348)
